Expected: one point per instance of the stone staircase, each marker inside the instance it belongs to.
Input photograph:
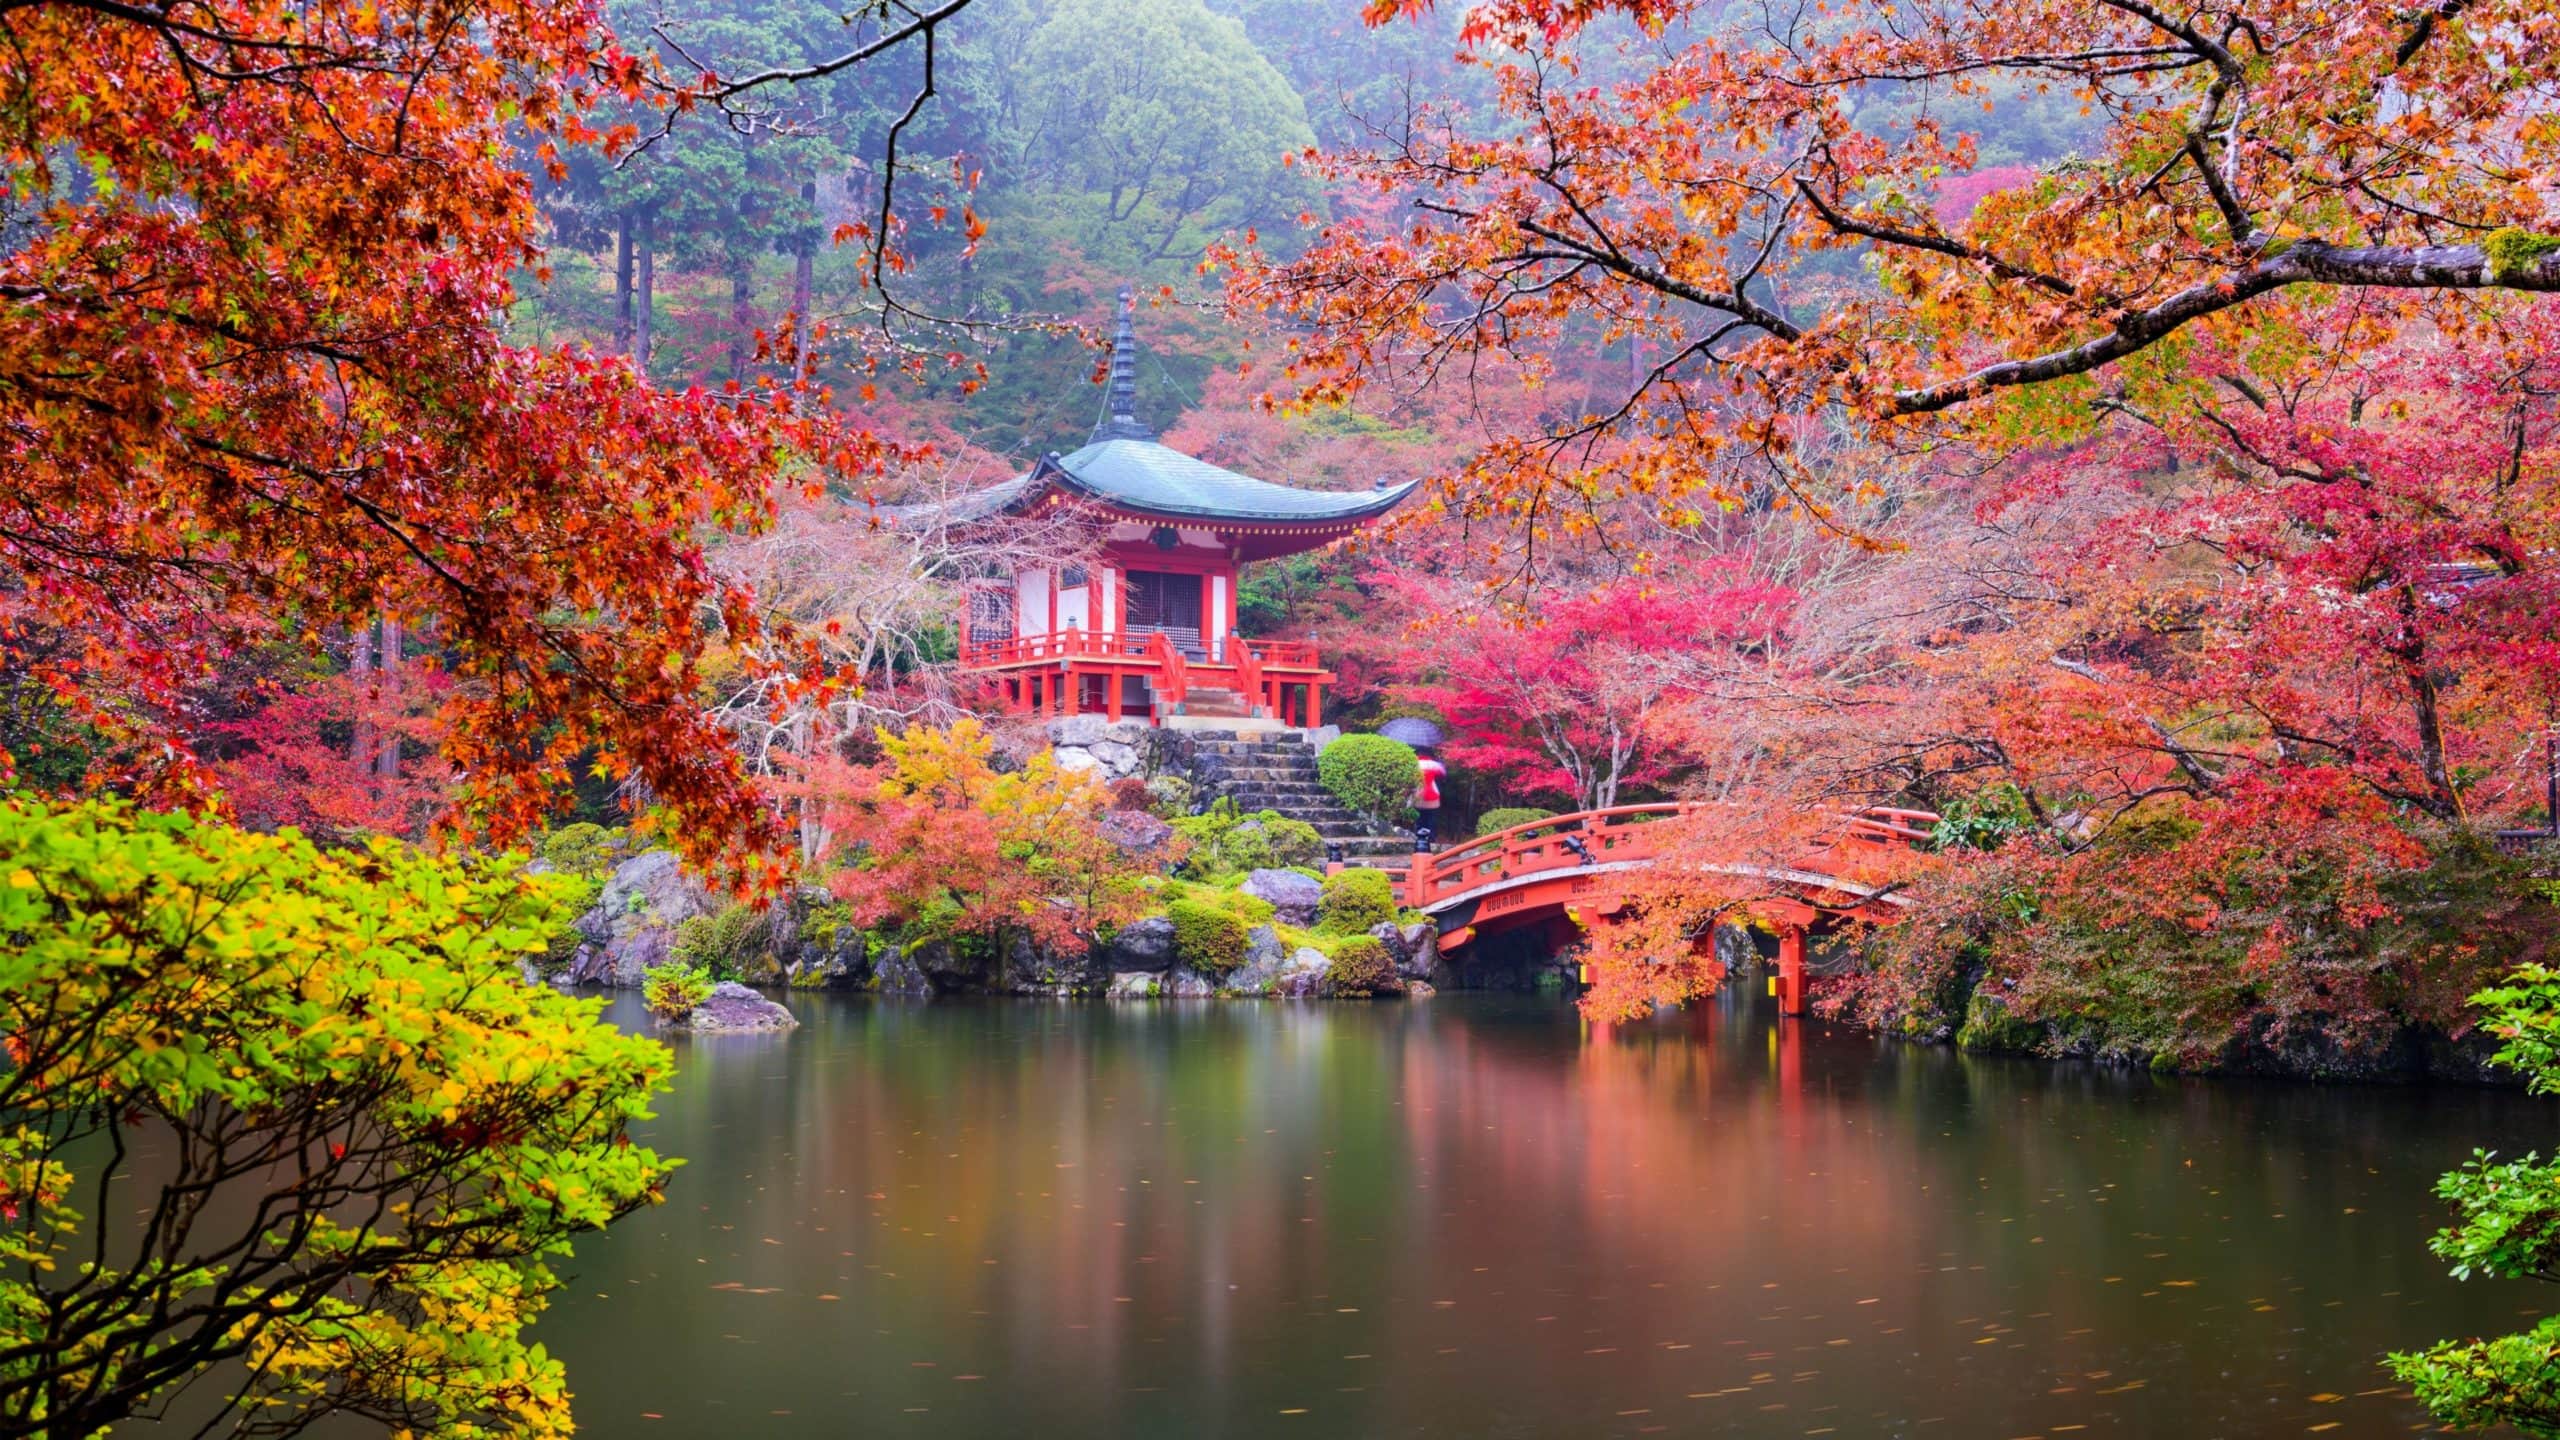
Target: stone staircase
(1209, 701)
(1277, 771)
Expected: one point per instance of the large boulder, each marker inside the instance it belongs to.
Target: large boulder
(1079, 731)
(1293, 896)
(1303, 977)
(1264, 957)
(1137, 985)
(1031, 968)
(1140, 945)
(733, 1006)
(841, 967)
(1414, 948)
(1135, 831)
(1162, 751)
(1077, 760)
(633, 924)
(897, 973)
(1116, 758)
(1185, 983)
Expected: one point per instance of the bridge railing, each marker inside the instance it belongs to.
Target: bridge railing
(1619, 834)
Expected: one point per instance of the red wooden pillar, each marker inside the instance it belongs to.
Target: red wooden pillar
(1111, 696)
(1315, 705)
(1791, 970)
(1073, 684)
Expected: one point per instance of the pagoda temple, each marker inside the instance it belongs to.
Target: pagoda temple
(1145, 626)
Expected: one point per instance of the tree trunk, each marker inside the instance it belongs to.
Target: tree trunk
(386, 761)
(622, 320)
(805, 290)
(742, 289)
(2442, 799)
(360, 669)
(648, 296)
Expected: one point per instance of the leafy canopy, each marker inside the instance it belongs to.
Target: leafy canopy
(294, 1115)
(256, 385)
(2507, 1227)
(1744, 203)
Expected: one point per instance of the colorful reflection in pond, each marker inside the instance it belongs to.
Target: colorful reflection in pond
(1472, 1216)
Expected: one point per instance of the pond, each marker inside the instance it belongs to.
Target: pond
(1475, 1216)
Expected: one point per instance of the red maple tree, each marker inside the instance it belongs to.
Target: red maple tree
(257, 382)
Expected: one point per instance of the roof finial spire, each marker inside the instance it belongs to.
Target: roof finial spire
(1121, 421)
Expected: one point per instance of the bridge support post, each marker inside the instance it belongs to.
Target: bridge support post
(1791, 971)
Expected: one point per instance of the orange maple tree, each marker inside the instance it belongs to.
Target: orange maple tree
(935, 840)
(1748, 203)
(255, 384)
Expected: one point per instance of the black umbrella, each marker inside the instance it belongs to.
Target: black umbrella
(1413, 730)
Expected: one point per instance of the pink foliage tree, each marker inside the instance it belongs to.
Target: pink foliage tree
(1570, 702)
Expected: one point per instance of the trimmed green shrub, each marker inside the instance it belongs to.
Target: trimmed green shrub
(1370, 774)
(1355, 900)
(1225, 841)
(1360, 967)
(1493, 821)
(672, 988)
(1206, 937)
(1221, 895)
(1294, 844)
(586, 850)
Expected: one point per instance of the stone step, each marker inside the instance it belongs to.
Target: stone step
(1315, 795)
(1304, 806)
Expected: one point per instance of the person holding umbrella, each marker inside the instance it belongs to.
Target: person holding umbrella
(1426, 798)
(1424, 737)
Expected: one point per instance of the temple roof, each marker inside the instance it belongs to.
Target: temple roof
(1126, 469)
(1155, 479)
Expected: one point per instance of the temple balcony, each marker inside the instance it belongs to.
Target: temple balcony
(1164, 676)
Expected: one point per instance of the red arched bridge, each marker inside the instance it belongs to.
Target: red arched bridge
(1569, 871)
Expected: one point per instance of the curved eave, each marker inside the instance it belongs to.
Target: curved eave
(1368, 506)
(1048, 482)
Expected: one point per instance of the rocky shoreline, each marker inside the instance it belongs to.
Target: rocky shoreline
(634, 923)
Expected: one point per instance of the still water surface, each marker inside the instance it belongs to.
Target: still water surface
(1472, 1216)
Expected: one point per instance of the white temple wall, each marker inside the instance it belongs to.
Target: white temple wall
(1073, 613)
(1031, 602)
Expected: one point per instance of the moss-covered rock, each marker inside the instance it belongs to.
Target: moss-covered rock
(1990, 1027)
(1226, 841)
(1356, 900)
(1206, 938)
(1360, 966)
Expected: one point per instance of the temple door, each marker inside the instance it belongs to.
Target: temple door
(1167, 602)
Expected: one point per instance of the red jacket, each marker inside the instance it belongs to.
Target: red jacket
(1426, 795)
